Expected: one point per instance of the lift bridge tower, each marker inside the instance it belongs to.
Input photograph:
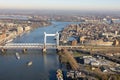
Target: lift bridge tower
(49, 35)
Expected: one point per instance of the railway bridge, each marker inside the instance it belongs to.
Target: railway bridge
(56, 45)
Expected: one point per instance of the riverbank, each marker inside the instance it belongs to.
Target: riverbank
(19, 30)
(40, 24)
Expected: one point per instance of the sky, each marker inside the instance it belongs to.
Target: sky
(61, 4)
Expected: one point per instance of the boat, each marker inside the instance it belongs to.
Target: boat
(59, 74)
(17, 55)
(29, 63)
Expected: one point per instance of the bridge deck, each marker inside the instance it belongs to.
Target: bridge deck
(54, 46)
(27, 45)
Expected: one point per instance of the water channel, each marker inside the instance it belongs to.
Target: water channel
(44, 66)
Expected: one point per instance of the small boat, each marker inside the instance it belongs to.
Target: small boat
(29, 63)
(17, 55)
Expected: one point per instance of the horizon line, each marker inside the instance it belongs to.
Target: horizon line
(62, 9)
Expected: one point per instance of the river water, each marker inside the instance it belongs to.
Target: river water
(44, 65)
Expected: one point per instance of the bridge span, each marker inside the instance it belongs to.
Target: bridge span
(27, 46)
(36, 46)
(56, 45)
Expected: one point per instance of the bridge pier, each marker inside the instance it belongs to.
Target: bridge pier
(58, 49)
(45, 40)
(3, 50)
(24, 50)
(44, 50)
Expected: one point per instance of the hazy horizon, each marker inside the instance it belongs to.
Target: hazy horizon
(87, 5)
(59, 12)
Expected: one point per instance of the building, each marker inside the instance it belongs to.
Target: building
(116, 43)
(94, 63)
(27, 28)
(103, 69)
(82, 39)
(100, 43)
(19, 30)
(91, 61)
(2, 35)
(74, 42)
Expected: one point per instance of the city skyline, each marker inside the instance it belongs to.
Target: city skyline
(61, 4)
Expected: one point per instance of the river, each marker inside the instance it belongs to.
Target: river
(44, 65)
